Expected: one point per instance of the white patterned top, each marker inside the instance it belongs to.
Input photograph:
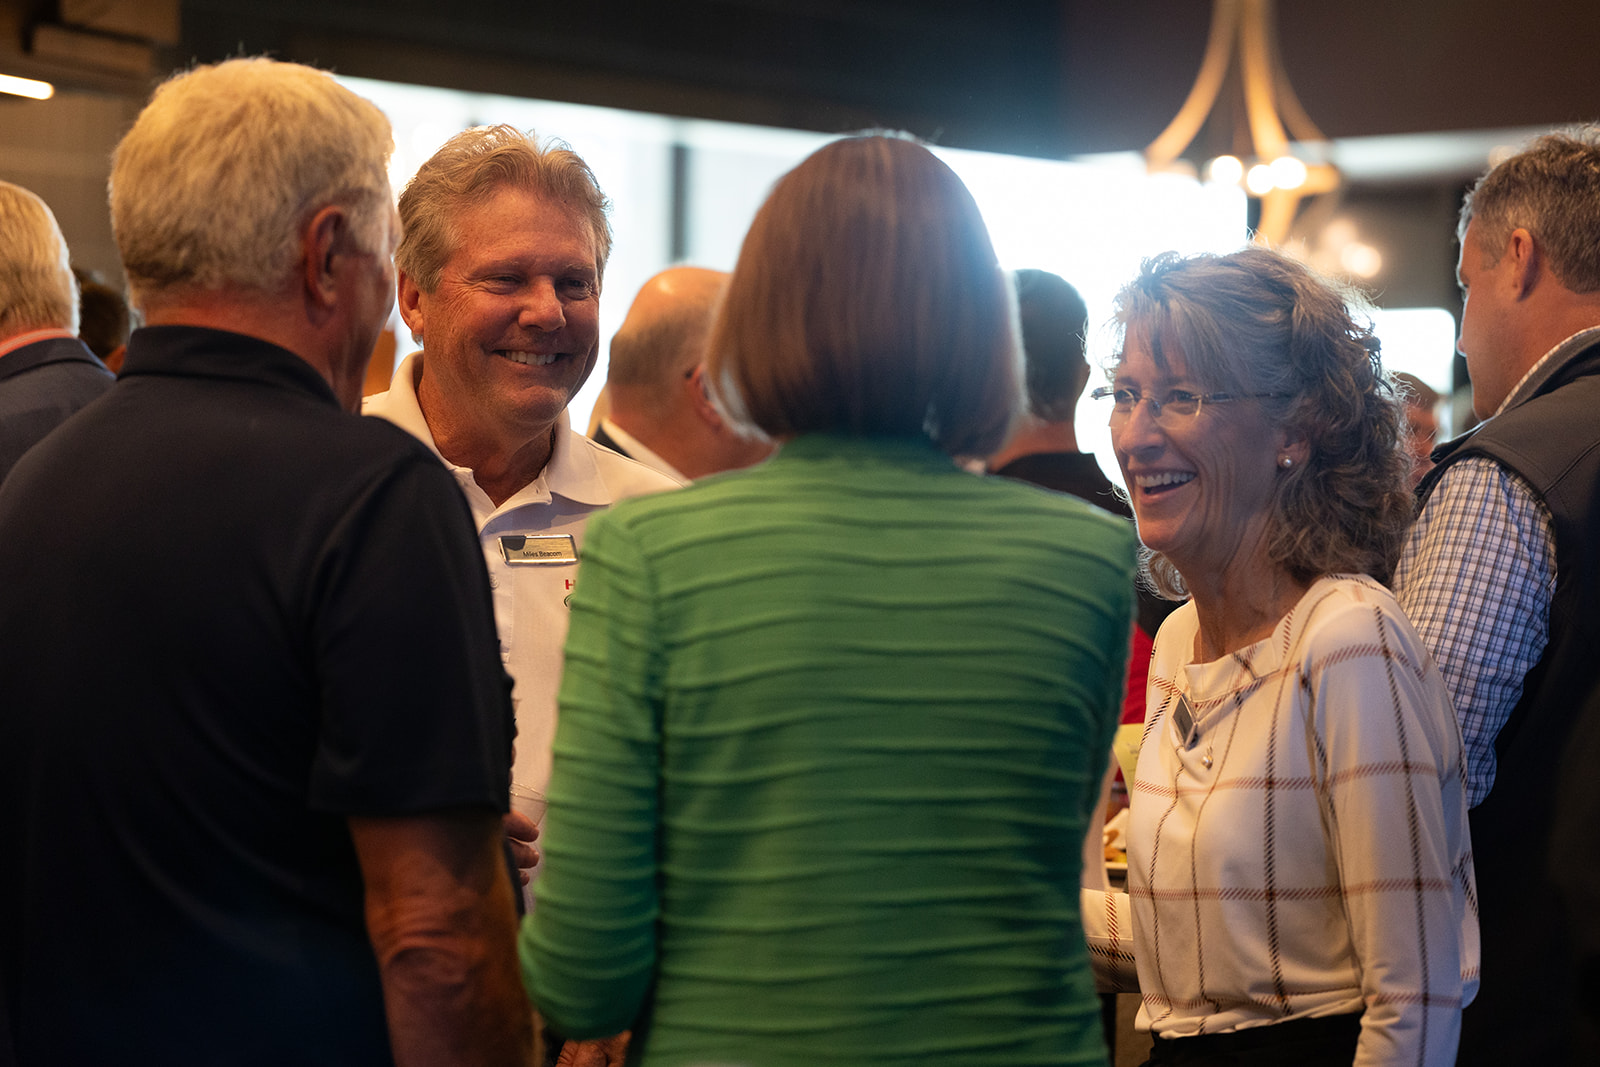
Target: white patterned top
(1304, 850)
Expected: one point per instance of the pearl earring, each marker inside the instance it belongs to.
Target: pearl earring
(1285, 461)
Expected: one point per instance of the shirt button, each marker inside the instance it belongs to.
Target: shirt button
(494, 582)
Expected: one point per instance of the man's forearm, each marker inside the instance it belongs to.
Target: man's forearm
(443, 927)
(453, 1000)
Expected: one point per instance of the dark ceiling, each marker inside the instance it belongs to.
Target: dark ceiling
(983, 75)
(1041, 77)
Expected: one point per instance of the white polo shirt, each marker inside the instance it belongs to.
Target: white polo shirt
(530, 598)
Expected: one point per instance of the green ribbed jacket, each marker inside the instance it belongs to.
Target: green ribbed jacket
(831, 731)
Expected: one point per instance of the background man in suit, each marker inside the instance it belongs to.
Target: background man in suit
(46, 373)
(660, 414)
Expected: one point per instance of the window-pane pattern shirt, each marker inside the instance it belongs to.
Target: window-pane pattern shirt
(1303, 851)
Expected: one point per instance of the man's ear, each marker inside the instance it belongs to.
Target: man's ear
(327, 236)
(409, 298)
(1526, 260)
(700, 399)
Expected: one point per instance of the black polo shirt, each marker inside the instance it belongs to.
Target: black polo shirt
(231, 615)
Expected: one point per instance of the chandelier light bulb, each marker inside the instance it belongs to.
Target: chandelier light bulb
(1360, 259)
(1258, 179)
(1225, 170)
(1260, 119)
(1288, 172)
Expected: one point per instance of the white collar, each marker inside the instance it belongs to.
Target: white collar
(642, 452)
(571, 471)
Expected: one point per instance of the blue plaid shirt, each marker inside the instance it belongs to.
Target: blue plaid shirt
(1476, 578)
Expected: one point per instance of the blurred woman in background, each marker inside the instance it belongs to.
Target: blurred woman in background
(832, 728)
(1299, 871)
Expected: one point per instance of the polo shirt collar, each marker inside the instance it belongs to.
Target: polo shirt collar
(202, 352)
(643, 453)
(23, 340)
(571, 473)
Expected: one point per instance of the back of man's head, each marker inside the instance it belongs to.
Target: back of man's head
(37, 289)
(211, 187)
(664, 336)
(467, 170)
(103, 321)
(1551, 189)
(1054, 322)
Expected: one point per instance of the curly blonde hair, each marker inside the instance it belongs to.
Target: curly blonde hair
(1256, 321)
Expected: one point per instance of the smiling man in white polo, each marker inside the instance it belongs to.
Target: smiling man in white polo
(499, 278)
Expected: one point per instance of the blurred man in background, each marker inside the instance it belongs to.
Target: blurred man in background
(46, 373)
(1043, 447)
(659, 412)
(1422, 422)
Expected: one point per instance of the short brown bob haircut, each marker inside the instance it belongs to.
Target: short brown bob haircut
(868, 301)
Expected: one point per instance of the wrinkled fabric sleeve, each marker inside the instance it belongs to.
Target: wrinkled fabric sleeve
(589, 951)
(1390, 766)
(1476, 579)
(1108, 928)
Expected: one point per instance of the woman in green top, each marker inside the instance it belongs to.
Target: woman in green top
(832, 727)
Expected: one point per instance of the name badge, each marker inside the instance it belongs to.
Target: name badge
(1183, 719)
(535, 549)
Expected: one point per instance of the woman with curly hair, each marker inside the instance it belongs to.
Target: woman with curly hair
(1299, 871)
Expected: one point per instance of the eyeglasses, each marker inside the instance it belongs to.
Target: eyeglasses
(1178, 406)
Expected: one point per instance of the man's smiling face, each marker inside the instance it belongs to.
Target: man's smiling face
(512, 330)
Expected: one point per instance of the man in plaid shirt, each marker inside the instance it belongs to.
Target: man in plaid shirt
(1496, 574)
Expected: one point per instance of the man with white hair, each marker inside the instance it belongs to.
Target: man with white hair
(263, 824)
(46, 373)
(660, 414)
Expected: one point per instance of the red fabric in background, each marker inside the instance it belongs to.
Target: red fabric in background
(1138, 676)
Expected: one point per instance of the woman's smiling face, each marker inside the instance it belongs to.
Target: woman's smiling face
(1202, 486)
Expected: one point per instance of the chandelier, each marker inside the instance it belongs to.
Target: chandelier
(1259, 115)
